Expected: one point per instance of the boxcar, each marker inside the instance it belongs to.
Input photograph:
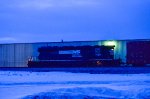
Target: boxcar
(138, 53)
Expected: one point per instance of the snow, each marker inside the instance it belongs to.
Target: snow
(26, 85)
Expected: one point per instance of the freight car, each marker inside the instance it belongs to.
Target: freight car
(75, 56)
(138, 53)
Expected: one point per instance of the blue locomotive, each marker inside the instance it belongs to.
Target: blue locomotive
(75, 56)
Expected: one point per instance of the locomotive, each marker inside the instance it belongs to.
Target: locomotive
(75, 56)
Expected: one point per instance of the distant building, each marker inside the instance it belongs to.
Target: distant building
(18, 54)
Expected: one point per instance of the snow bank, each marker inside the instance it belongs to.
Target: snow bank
(28, 85)
(94, 93)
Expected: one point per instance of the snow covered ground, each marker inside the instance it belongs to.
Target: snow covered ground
(29, 85)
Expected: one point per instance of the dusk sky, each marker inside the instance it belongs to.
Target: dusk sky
(73, 20)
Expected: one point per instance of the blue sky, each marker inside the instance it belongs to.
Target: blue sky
(73, 20)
